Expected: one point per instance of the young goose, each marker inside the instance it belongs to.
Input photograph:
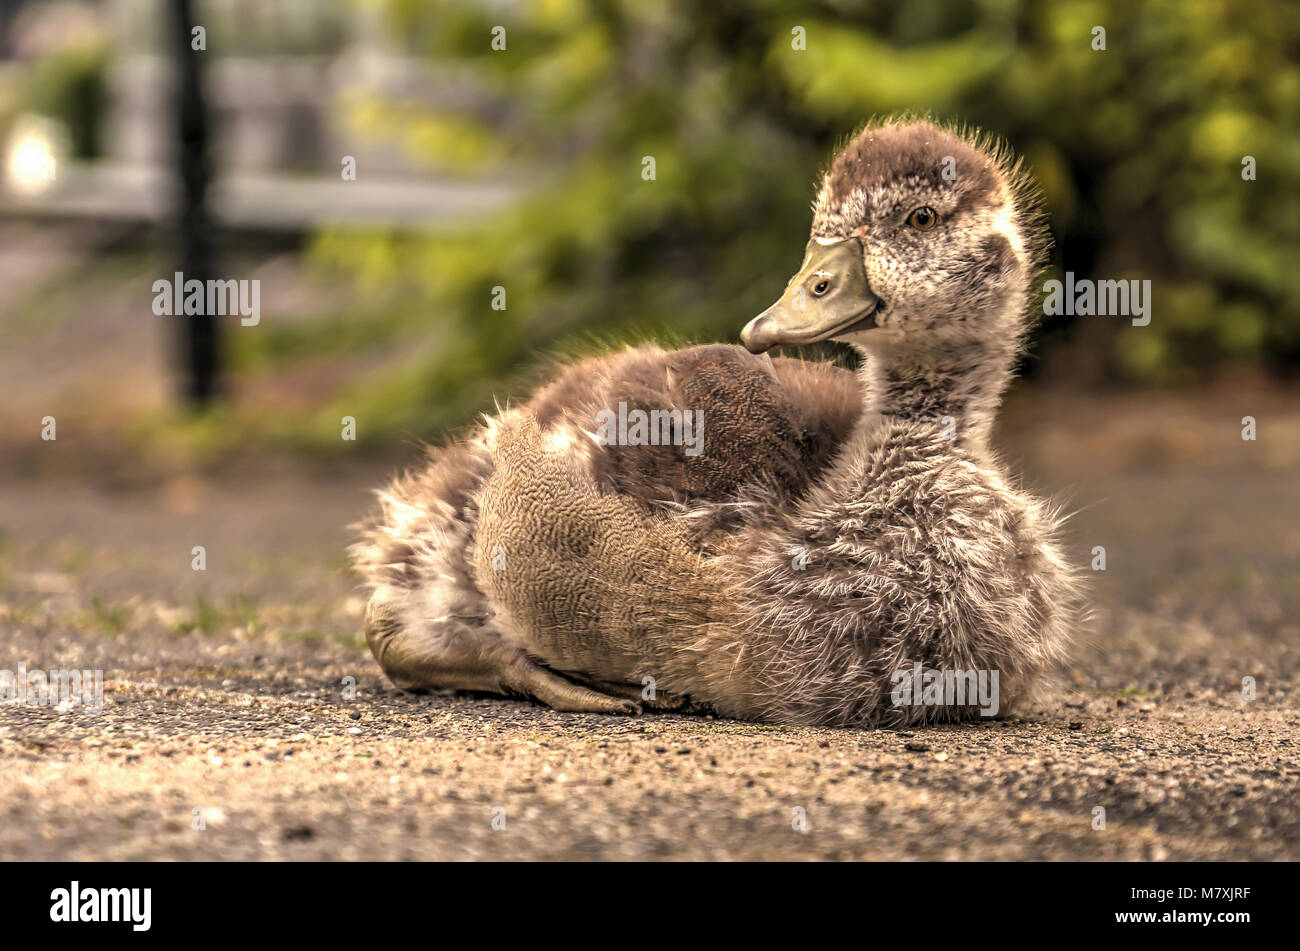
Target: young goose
(430, 622)
(834, 533)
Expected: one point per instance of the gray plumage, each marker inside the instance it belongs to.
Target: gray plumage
(835, 529)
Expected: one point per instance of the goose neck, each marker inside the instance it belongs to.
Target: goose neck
(956, 387)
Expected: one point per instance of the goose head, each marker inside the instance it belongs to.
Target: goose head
(921, 236)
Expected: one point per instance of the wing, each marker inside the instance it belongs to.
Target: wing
(772, 423)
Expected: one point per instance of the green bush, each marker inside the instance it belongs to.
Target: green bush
(70, 86)
(1138, 147)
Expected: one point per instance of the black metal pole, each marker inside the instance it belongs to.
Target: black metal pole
(199, 351)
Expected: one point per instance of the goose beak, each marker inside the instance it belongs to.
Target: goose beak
(829, 296)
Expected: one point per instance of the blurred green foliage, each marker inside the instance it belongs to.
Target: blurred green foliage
(1139, 149)
(71, 86)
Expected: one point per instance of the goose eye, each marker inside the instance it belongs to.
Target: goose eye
(821, 287)
(923, 219)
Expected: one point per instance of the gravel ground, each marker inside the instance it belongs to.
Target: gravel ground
(224, 689)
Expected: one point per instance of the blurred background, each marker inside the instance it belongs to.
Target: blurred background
(381, 166)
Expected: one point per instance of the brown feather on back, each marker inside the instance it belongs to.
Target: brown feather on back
(774, 423)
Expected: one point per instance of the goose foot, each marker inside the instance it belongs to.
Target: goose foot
(453, 654)
(662, 700)
(526, 678)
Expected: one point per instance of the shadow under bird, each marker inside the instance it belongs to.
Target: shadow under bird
(836, 529)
